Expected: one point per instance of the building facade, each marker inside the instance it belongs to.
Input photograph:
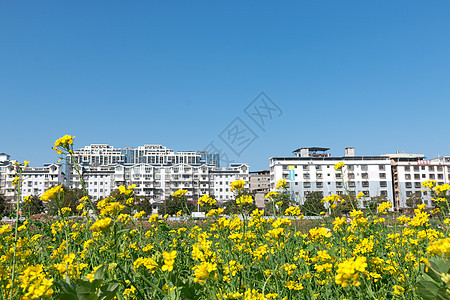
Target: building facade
(221, 179)
(102, 154)
(158, 182)
(36, 180)
(410, 170)
(312, 169)
(259, 185)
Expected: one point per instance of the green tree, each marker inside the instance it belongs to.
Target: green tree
(313, 205)
(232, 208)
(413, 200)
(5, 208)
(350, 203)
(122, 199)
(143, 204)
(172, 205)
(374, 201)
(68, 198)
(33, 206)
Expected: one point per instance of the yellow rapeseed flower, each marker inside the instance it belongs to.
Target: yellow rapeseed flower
(180, 193)
(339, 165)
(51, 193)
(237, 185)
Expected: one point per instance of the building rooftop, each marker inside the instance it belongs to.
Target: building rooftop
(313, 149)
(380, 157)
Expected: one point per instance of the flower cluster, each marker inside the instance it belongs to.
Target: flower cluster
(206, 200)
(339, 165)
(51, 193)
(348, 272)
(237, 185)
(63, 143)
(179, 193)
(244, 199)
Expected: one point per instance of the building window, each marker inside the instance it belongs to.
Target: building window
(416, 176)
(305, 168)
(417, 185)
(382, 167)
(365, 184)
(351, 184)
(424, 176)
(319, 185)
(431, 168)
(382, 175)
(407, 168)
(365, 176)
(383, 193)
(364, 167)
(307, 184)
(351, 175)
(350, 167)
(440, 176)
(339, 184)
(408, 185)
(416, 168)
(432, 176)
(383, 183)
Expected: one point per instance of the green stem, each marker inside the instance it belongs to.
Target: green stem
(13, 271)
(82, 184)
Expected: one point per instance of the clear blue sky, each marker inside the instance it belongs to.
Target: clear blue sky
(374, 75)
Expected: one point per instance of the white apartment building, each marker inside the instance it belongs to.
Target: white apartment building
(5, 183)
(158, 182)
(98, 154)
(410, 170)
(223, 177)
(36, 180)
(102, 154)
(98, 180)
(312, 169)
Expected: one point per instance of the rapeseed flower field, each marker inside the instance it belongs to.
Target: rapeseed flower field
(105, 253)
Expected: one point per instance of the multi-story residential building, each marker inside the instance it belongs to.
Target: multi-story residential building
(223, 177)
(158, 182)
(259, 185)
(36, 180)
(410, 170)
(312, 169)
(102, 154)
(98, 154)
(4, 173)
(209, 158)
(98, 180)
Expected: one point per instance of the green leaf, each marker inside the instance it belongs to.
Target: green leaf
(109, 291)
(428, 290)
(100, 273)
